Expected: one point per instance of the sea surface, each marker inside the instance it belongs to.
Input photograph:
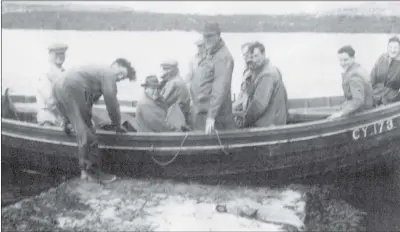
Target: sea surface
(308, 62)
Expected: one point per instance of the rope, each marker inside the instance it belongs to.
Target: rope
(180, 149)
(173, 158)
(220, 143)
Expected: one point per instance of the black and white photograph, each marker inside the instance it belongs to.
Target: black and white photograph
(200, 116)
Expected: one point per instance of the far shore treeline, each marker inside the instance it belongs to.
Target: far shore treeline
(144, 21)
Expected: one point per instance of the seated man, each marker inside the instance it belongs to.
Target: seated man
(152, 111)
(173, 89)
(357, 90)
(267, 98)
(385, 76)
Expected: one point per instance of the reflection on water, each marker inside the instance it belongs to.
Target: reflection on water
(374, 192)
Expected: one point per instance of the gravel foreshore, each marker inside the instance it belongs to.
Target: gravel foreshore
(164, 205)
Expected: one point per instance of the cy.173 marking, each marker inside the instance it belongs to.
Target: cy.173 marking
(372, 129)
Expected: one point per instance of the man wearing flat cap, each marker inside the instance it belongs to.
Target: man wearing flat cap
(75, 95)
(151, 110)
(210, 87)
(200, 45)
(47, 112)
(173, 89)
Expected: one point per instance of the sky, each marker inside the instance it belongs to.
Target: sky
(228, 7)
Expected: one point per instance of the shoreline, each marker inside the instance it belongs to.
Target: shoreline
(161, 205)
(145, 21)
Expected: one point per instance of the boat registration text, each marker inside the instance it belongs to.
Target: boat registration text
(374, 128)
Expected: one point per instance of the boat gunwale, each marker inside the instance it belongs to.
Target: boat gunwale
(382, 109)
(249, 132)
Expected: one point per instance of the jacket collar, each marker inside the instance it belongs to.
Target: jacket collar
(351, 67)
(54, 66)
(216, 47)
(263, 68)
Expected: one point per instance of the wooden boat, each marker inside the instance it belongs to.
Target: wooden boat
(308, 145)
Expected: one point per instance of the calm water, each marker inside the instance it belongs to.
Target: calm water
(308, 62)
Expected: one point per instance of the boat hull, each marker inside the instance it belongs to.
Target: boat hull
(287, 152)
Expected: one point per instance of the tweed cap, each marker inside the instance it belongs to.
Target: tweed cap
(58, 47)
(211, 28)
(169, 63)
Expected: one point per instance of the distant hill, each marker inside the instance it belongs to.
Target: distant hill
(9, 7)
(62, 16)
(369, 9)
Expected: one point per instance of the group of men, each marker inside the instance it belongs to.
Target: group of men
(204, 96)
(200, 102)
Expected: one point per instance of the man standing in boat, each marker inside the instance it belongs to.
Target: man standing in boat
(173, 89)
(267, 97)
(357, 90)
(47, 112)
(200, 44)
(210, 87)
(75, 95)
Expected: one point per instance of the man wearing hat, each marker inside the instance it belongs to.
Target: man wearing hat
(75, 95)
(151, 110)
(210, 87)
(173, 89)
(47, 112)
(200, 44)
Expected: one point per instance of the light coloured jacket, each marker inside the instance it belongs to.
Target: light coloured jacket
(45, 101)
(151, 116)
(174, 90)
(357, 90)
(210, 88)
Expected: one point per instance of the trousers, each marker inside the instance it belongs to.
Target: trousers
(72, 103)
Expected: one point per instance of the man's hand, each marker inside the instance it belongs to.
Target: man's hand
(238, 117)
(185, 128)
(336, 115)
(210, 125)
(120, 129)
(117, 128)
(67, 127)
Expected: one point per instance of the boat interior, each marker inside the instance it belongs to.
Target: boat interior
(23, 108)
